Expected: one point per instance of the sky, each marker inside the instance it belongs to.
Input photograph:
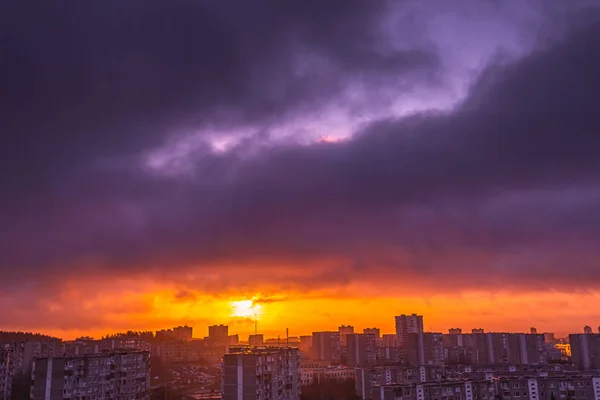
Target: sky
(335, 164)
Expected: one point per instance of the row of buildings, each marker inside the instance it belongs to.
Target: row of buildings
(411, 345)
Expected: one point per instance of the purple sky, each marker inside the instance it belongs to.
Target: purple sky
(378, 138)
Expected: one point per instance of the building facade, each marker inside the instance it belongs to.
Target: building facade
(326, 346)
(585, 351)
(345, 330)
(7, 353)
(218, 334)
(261, 374)
(449, 390)
(406, 325)
(424, 349)
(117, 375)
(361, 350)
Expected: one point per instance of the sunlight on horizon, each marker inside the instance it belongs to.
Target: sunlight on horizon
(245, 309)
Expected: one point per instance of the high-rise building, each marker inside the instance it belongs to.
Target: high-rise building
(345, 330)
(256, 339)
(218, 335)
(117, 375)
(233, 340)
(361, 350)
(550, 338)
(7, 353)
(585, 350)
(389, 340)
(326, 346)
(183, 333)
(261, 374)
(495, 348)
(426, 348)
(373, 331)
(405, 325)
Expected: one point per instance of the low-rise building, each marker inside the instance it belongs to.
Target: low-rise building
(445, 389)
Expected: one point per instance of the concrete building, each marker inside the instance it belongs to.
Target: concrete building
(7, 354)
(261, 374)
(445, 389)
(389, 340)
(495, 348)
(308, 376)
(345, 330)
(550, 338)
(368, 378)
(373, 331)
(306, 344)
(326, 346)
(405, 325)
(361, 350)
(424, 349)
(117, 375)
(548, 388)
(585, 350)
(233, 340)
(183, 333)
(256, 339)
(218, 334)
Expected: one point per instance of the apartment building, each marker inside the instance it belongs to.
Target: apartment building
(118, 375)
(548, 388)
(441, 390)
(7, 352)
(361, 350)
(326, 346)
(585, 350)
(495, 348)
(261, 374)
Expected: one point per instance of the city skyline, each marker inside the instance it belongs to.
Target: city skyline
(165, 163)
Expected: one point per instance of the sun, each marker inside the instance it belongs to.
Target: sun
(245, 309)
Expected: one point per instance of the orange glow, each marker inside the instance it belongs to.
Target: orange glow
(109, 307)
(245, 309)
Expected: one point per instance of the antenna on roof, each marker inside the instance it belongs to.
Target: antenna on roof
(287, 337)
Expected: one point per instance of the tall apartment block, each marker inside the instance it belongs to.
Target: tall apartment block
(218, 334)
(108, 376)
(373, 331)
(425, 348)
(261, 374)
(361, 350)
(183, 333)
(585, 350)
(495, 348)
(345, 330)
(405, 325)
(326, 346)
(7, 352)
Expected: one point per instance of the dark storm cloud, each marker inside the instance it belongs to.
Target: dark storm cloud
(97, 78)
(505, 184)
